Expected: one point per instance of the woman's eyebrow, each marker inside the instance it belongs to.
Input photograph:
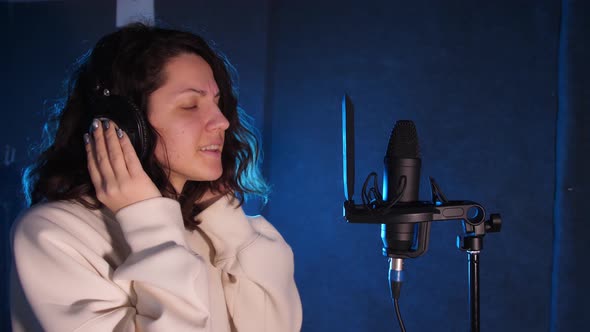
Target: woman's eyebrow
(201, 92)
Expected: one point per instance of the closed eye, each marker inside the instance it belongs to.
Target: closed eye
(189, 107)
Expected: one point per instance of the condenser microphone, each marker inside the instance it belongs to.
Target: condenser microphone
(401, 179)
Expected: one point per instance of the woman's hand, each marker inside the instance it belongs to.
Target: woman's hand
(115, 169)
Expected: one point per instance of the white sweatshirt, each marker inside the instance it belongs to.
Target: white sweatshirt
(86, 270)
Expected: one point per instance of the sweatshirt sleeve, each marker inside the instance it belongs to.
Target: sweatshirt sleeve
(160, 286)
(258, 269)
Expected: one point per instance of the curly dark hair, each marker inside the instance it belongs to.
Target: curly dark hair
(130, 62)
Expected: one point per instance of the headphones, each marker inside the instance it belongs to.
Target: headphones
(125, 114)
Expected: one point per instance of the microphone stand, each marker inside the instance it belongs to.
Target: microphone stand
(472, 243)
(473, 258)
(424, 213)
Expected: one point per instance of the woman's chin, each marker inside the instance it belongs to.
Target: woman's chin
(212, 175)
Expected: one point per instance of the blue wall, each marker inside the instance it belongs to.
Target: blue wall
(479, 79)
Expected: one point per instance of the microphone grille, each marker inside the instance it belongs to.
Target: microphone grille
(403, 142)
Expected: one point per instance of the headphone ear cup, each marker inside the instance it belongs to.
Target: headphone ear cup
(127, 116)
(140, 141)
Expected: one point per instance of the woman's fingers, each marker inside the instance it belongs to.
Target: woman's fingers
(130, 155)
(115, 153)
(101, 153)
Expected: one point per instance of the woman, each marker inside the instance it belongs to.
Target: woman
(116, 241)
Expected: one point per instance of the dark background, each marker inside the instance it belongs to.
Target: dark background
(499, 92)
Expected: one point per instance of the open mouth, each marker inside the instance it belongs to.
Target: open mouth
(215, 148)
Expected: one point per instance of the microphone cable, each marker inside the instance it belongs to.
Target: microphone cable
(372, 199)
(395, 284)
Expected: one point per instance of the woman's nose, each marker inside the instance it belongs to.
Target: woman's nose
(218, 120)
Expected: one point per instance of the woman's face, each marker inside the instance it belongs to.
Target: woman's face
(185, 112)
